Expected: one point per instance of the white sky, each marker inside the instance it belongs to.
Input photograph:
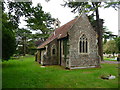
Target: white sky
(65, 15)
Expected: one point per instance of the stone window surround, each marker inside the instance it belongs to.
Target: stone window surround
(79, 45)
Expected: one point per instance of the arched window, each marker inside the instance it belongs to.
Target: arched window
(53, 50)
(83, 44)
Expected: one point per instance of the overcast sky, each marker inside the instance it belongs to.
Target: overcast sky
(64, 14)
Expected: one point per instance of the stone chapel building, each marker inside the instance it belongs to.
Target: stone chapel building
(73, 45)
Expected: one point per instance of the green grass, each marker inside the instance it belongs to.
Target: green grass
(26, 73)
(109, 59)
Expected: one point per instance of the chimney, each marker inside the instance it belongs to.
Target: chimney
(56, 23)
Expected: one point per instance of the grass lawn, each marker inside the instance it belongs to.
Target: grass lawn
(26, 73)
(109, 59)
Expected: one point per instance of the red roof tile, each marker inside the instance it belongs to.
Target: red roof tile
(60, 32)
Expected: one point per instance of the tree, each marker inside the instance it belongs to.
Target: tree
(118, 46)
(11, 23)
(23, 35)
(36, 19)
(8, 38)
(17, 10)
(118, 43)
(88, 7)
(111, 47)
(39, 20)
(107, 35)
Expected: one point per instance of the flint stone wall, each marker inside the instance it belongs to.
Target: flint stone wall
(50, 59)
(82, 26)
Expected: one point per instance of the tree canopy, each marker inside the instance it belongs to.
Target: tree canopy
(111, 47)
(8, 38)
(107, 34)
(22, 38)
(118, 43)
(39, 20)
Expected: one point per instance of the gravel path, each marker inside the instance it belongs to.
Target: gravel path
(111, 62)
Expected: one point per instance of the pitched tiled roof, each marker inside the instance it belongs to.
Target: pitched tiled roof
(60, 32)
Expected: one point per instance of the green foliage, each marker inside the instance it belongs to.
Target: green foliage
(118, 43)
(8, 38)
(26, 73)
(115, 5)
(107, 34)
(17, 10)
(89, 7)
(8, 44)
(110, 47)
(39, 20)
(86, 7)
(36, 19)
(23, 35)
(31, 48)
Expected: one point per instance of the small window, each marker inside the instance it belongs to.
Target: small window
(53, 51)
(83, 44)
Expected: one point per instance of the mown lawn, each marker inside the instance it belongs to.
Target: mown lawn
(109, 59)
(26, 73)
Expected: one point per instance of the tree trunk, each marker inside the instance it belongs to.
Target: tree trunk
(113, 54)
(99, 31)
(24, 46)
